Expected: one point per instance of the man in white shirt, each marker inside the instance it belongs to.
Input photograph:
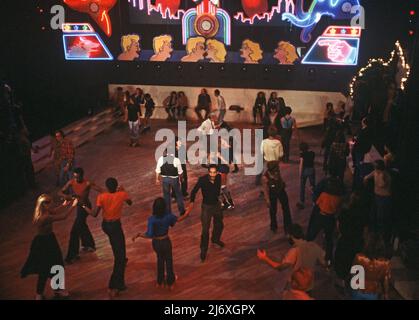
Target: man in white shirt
(206, 129)
(221, 105)
(271, 150)
(169, 168)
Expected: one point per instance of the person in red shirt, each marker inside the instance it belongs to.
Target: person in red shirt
(110, 204)
(66, 158)
(80, 189)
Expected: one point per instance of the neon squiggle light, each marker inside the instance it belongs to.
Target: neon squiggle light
(337, 9)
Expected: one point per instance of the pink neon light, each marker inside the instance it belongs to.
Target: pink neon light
(206, 7)
(289, 8)
(166, 14)
(338, 51)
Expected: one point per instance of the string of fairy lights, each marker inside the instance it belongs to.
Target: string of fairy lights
(405, 66)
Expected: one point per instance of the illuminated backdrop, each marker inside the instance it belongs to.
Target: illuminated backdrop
(240, 31)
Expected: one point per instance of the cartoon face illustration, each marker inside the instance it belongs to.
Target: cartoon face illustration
(285, 53)
(216, 51)
(195, 49)
(130, 47)
(251, 52)
(167, 48)
(162, 46)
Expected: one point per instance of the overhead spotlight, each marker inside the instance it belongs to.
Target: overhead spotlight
(117, 65)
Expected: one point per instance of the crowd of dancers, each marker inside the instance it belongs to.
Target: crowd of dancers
(364, 221)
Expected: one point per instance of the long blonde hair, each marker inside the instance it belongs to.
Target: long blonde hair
(256, 52)
(219, 48)
(38, 208)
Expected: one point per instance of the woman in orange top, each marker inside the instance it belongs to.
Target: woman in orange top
(376, 270)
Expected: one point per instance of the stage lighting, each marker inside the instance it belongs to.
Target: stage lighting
(266, 69)
(311, 74)
(244, 68)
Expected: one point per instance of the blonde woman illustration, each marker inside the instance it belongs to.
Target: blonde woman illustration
(251, 52)
(216, 51)
(285, 53)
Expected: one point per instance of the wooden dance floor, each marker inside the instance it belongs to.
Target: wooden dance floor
(230, 273)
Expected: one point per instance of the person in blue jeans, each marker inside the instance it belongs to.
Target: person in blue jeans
(169, 168)
(288, 124)
(158, 230)
(306, 171)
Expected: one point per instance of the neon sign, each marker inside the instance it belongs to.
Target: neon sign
(337, 9)
(97, 9)
(206, 20)
(82, 43)
(77, 27)
(337, 46)
(252, 11)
